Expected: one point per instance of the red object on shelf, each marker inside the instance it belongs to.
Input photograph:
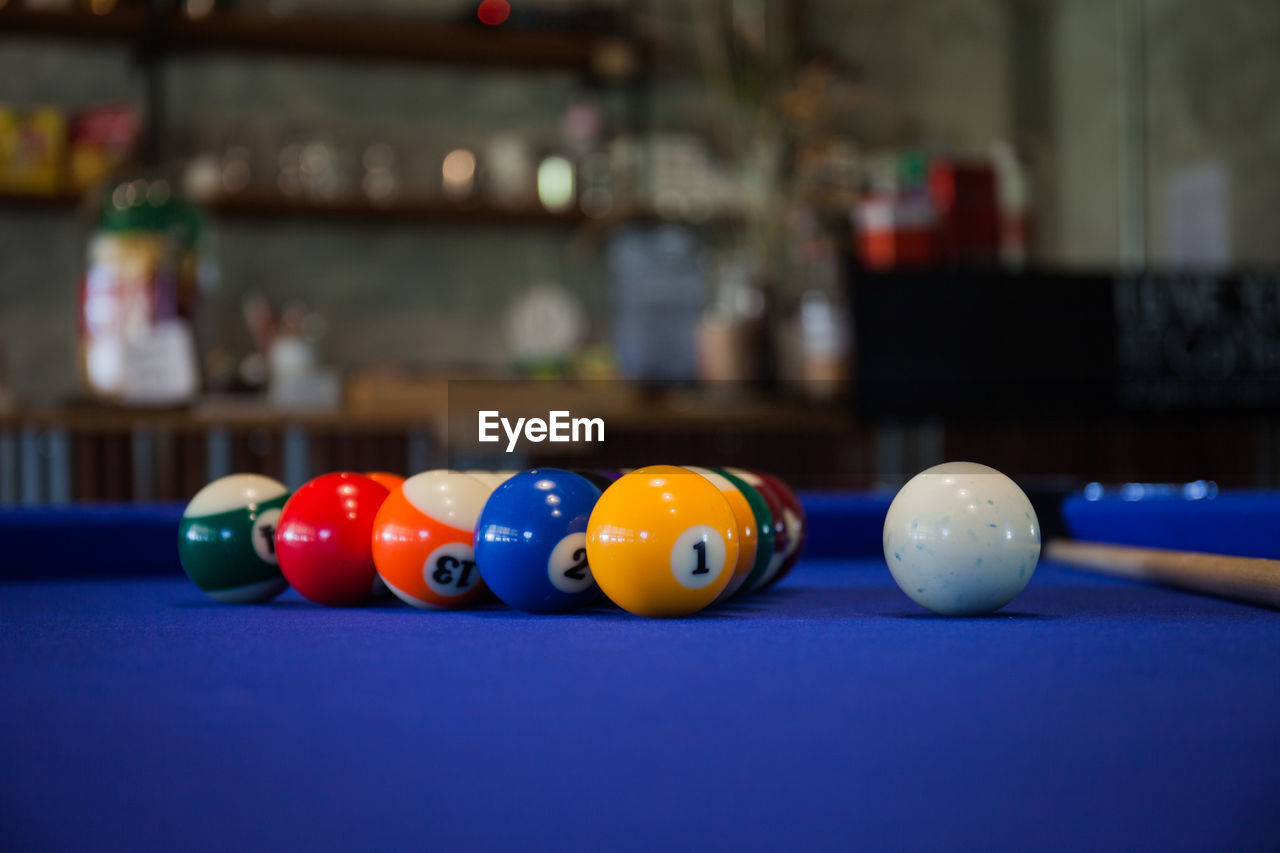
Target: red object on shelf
(102, 139)
(896, 231)
(968, 207)
(493, 12)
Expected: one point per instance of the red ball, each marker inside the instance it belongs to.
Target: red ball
(324, 538)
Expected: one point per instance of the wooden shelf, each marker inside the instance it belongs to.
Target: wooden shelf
(261, 204)
(266, 204)
(365, 39)
(122, 25)
(385, 40)
(61, 201)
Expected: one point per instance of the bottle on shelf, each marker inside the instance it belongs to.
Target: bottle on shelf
(138, 298)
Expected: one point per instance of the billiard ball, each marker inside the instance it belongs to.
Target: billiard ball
(491, 479)
(662, 541)
(797, 530)
(390, 481)
(226, 539)
(781, 530)
(531, 541)
(600, 479)
(961, 539)
(765, 535)
(423, 540)
(324, 535)
(748, 536)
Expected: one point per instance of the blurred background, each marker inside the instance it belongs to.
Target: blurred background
(842, 239)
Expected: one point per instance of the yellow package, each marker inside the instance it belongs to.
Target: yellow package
(32, 148)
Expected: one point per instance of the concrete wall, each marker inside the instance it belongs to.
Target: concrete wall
(1213, 97)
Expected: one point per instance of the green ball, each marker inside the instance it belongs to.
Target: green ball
(226, 540)
(764, 528)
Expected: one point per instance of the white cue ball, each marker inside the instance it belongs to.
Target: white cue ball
(961, 539)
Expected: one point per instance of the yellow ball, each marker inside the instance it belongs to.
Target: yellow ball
(662, 541)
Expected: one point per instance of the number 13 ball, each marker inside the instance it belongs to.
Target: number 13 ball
(423, 538)
(662, 541)
(531, 541)
(961, 539)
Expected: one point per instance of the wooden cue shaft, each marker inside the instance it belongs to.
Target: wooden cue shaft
(1243, 578)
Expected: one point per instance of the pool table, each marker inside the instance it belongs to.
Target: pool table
(828, 713)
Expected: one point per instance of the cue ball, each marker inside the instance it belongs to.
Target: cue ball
(324, 538)
(662, 541)
(531, 541)
(961, 539)
(423, 540)
(226, 539)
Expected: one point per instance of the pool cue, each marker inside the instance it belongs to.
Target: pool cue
(1248, 579)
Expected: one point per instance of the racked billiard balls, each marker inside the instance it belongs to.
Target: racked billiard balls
(531, 541)
(389, 481)
(323, 540)
(226, 539)
(748, 535)
(765, 535)
(961, 539)
(491, 479)
(600, 479)
(797, 530)
(777, 508)
(662, 541)
(423, 540)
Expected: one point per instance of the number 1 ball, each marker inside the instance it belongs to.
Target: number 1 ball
(961, 539)
(323, 538)
(662, 541)
(226, 539)
(423, 540)
(531, 541)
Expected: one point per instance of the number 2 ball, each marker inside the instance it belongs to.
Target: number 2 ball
(226, 539)
(662, 541)
(423, 540)
(961, 539)
(531, 541)
(323, 540)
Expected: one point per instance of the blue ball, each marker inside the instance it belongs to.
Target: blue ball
(531, 541)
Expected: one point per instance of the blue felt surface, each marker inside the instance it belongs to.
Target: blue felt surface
(90, 540)
(830, 713)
